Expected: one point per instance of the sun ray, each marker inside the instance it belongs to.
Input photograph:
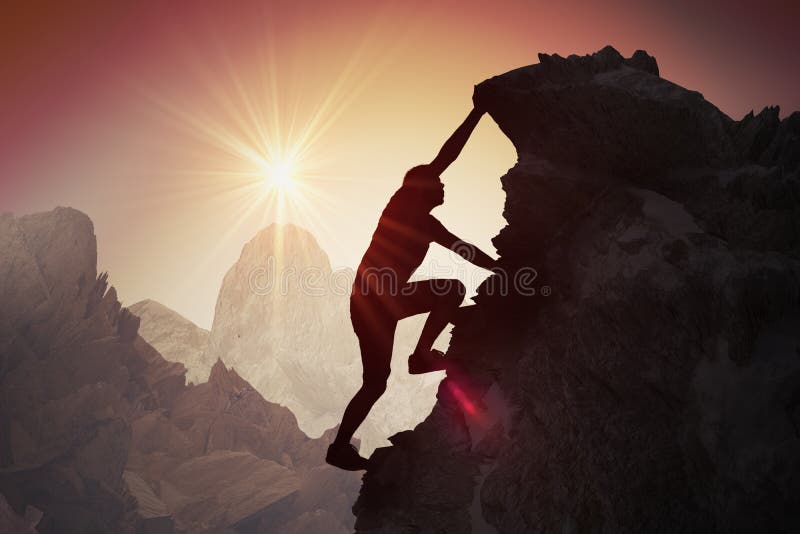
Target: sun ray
(249, 207)
(259, 147)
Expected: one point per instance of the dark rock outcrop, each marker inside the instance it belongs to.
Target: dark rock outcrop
(645, 377)
(11, 522)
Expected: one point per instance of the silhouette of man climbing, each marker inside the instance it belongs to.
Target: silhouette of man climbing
(382, 294)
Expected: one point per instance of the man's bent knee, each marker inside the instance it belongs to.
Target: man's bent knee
(375, 386)
(374, 389)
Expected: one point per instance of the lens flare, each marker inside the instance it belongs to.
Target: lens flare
(462, 398)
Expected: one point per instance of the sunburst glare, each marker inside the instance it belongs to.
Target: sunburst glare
(278, 175)
(255, 141)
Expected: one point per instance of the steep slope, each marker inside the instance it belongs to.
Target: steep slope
(176, 338)
(282, 321)
(644, 378)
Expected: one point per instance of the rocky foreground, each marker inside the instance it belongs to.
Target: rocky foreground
(648, 379)
(99, 433)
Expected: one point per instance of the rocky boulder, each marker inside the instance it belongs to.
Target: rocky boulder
(642, 374)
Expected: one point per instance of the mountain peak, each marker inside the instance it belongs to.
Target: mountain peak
(292, 234)
(285, 245)
(48, 254)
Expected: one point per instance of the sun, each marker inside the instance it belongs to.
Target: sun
(259, 148)
(279, 175)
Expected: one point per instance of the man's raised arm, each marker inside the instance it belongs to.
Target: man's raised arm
(452, 147)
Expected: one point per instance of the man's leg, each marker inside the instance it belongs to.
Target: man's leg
(375, 340)
(441, 297)
(373, 386)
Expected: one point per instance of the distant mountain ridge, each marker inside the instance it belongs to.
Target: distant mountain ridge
(177, 339)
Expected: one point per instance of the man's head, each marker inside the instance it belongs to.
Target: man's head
(425, 185)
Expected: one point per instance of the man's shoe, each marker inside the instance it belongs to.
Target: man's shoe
(345, 456)
(427, 362)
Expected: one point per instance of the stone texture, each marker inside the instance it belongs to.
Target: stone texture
(11, 522)
(651, 383)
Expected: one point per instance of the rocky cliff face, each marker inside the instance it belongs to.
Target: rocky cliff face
(648, 378)
(282, 321)
(70, 376)
(176, 338)
(99, 433)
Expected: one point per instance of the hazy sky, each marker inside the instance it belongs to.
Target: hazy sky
(152, 117)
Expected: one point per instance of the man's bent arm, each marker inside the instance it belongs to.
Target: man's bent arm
(476, 256)
(466, 250)
(453, 146)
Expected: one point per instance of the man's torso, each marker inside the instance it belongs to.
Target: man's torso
(398, 246)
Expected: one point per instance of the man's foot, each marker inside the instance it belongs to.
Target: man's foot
(345, 456)
(427, 362)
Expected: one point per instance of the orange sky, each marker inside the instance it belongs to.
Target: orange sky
(116, 109)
